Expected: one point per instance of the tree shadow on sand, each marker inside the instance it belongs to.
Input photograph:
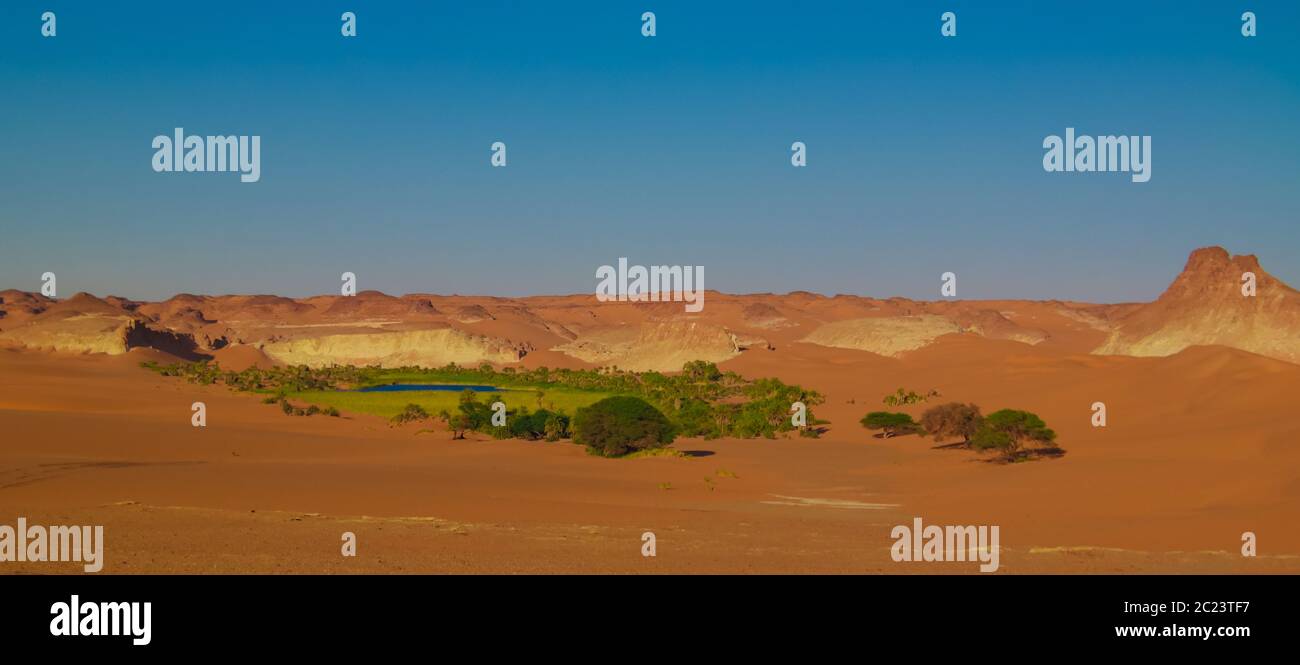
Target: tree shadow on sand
(1026, 456)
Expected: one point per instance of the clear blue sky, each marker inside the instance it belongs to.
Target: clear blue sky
(924, 153)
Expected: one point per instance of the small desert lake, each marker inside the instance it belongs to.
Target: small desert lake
(406, 387)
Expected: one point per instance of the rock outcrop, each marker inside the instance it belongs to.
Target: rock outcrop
(1205, 305)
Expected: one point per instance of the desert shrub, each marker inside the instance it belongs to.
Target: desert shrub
(410, 413)
(520, 426)
(903, 397)
(952, 420)
(701, 370)
(749, 423)
(616, 426)
(892, 424)
(538, 424)
(772, 398)
(460, 423)
(478, 414)
(1010, 431)
(286, 407)
(556, 427)
(332, 412)
(695, 418)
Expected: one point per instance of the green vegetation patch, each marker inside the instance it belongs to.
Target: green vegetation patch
(701, 401)
(389, 404)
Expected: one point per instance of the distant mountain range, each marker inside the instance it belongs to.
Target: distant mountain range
(1203, 306)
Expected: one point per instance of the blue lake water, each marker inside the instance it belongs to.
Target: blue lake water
(406, 387)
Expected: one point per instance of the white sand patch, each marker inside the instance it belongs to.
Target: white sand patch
(828, 503)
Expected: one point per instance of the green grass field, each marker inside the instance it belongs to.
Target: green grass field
(389, 404)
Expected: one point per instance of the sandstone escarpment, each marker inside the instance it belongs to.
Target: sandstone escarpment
(429, 348)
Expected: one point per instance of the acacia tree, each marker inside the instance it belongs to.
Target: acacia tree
(952, 420)
(456, 424)
(893, 424)
(412, 413)
(1010, 431)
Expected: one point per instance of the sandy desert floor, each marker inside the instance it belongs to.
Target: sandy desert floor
(1200, 447)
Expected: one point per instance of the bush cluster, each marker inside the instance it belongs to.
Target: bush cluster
(1012, 433)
